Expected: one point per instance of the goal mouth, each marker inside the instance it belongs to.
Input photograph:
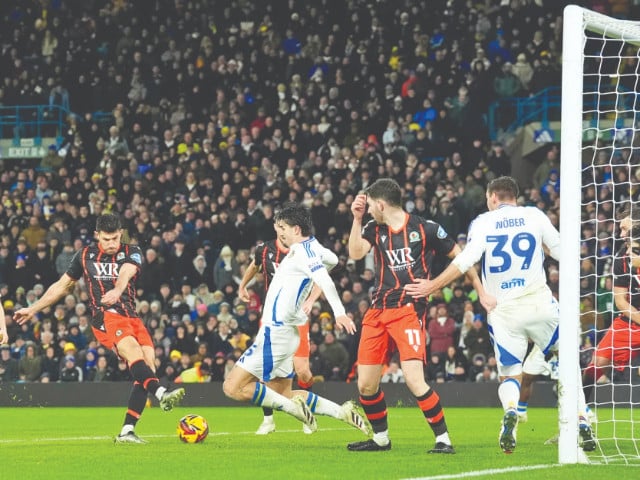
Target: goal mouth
(600, 143)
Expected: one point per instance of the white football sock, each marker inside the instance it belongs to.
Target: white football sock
(509, 394)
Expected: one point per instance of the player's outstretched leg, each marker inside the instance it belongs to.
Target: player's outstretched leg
(303, 414)
(171, 399)
(349, 414)
(508, 431)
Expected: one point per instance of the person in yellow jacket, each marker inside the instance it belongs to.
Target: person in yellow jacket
(199, 373)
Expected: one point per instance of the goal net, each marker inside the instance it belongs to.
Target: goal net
(600, 175)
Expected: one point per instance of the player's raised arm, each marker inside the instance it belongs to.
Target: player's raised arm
(358, 246)
(52, 295)
(249, 273)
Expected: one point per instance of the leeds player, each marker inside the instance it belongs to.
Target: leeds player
(511, 239)
(268, 256)
(263, 374)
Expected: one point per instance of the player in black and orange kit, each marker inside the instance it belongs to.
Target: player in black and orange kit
(404, 249)
(266, 260)
(109, 269)
(621, 343)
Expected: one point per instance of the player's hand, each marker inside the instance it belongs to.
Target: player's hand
(110, 297)
(420, 288)
(4, 336)
(346, 323)
(359, 206)
(244, 294)
(489, 302)
(23, 315)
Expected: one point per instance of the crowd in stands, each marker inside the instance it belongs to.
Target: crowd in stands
(217, 113)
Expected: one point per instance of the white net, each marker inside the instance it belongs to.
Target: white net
(610, 183)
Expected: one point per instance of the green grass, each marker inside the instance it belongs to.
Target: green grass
(75, 443)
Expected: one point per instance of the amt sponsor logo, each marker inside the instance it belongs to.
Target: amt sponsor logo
(514, 282)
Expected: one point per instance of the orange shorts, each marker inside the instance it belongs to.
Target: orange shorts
(620, 344)
(116, 327)
(383, 328)
(303, 348)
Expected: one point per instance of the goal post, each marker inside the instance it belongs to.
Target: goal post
(600, 113)
(570, 219)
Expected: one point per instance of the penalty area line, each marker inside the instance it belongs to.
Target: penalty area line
(491, 471)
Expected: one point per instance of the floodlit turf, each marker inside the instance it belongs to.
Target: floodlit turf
(73, 443)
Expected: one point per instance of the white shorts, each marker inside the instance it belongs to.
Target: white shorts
(535, 364)
(271, 355)
(512, 324)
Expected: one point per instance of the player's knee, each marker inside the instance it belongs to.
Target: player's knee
(366, 387)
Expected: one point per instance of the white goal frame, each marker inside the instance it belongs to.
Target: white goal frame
(576, 21)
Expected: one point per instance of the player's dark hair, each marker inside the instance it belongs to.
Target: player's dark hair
(295, 214)
(108, 223)
(506, 188)
(385, 189)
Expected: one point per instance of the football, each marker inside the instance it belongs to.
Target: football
(193, 429)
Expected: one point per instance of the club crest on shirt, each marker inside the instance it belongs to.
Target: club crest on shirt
(120, 256)
(414, 237)
(441, 233)
(118, 332)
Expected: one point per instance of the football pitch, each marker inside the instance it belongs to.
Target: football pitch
(70, 443)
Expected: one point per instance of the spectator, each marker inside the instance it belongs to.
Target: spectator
(441, 331)
(9, 370)
(487, 375)
(51, 364)
(478, 339)
(70, 372)
(30, 366)
(335, 357)
(435, 371)
(455, 365)
(393, 373)
(225, 268)
(101, 372)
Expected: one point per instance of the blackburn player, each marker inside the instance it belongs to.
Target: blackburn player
(263, 374)
(621, 343)
(404, 248)
(109, 269)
